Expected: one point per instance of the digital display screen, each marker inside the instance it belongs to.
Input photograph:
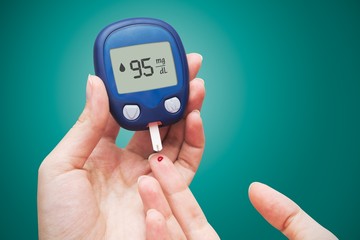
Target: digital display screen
(143, 67)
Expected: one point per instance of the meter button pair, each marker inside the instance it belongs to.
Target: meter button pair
(132, 112)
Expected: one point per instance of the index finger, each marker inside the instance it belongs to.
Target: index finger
(285, 215)
(182, 202)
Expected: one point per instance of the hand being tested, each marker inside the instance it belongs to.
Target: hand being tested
(173, 212)
(87, 186)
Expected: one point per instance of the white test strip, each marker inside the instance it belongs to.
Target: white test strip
(155, 136)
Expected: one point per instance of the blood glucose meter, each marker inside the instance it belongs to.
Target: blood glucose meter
(143, 65)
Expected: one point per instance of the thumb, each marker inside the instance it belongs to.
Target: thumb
(285, 215)
(77, 145)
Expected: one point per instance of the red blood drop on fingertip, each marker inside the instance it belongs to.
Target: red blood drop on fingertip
(160, 158)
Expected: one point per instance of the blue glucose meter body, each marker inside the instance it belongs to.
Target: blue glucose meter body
(143, 64)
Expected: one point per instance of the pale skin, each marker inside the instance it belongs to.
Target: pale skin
(88, 188)
(166, 196)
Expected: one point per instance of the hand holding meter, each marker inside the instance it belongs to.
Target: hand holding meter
(144, 68)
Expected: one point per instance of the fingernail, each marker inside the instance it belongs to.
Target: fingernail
(200, 56)
(201, 80)
(196, 111)
(151, 155)
(139, 179)
(89, 87)
(151, 211)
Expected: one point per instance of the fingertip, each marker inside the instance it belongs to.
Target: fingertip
(140, 178)
(155, 220)
(284, 214)
(254, 186)
(99, 103)
(97, 87)
(197, 87)
(200, 81)
(250, 189)
(259, 193)
(153, 214)
(195, 57)
(199, 56)
(157, 157)
(148, 189)
(146, 183)
(255, 191)
(194, 62)
(94, 78)
(94, 82)
(89, 87)
(155, 225)
(160, 165)
(193, 119)
(274, 206)
(164, 171)
(194, 132)
(151, 156)
(196, 112)
(196, 95)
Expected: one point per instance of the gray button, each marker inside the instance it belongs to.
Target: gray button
(131, 112)
(172, 105)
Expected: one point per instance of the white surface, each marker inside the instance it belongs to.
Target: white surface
(172, 105)
(131, 112)
(155, 136)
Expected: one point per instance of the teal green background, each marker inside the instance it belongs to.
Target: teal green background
(282, 105)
